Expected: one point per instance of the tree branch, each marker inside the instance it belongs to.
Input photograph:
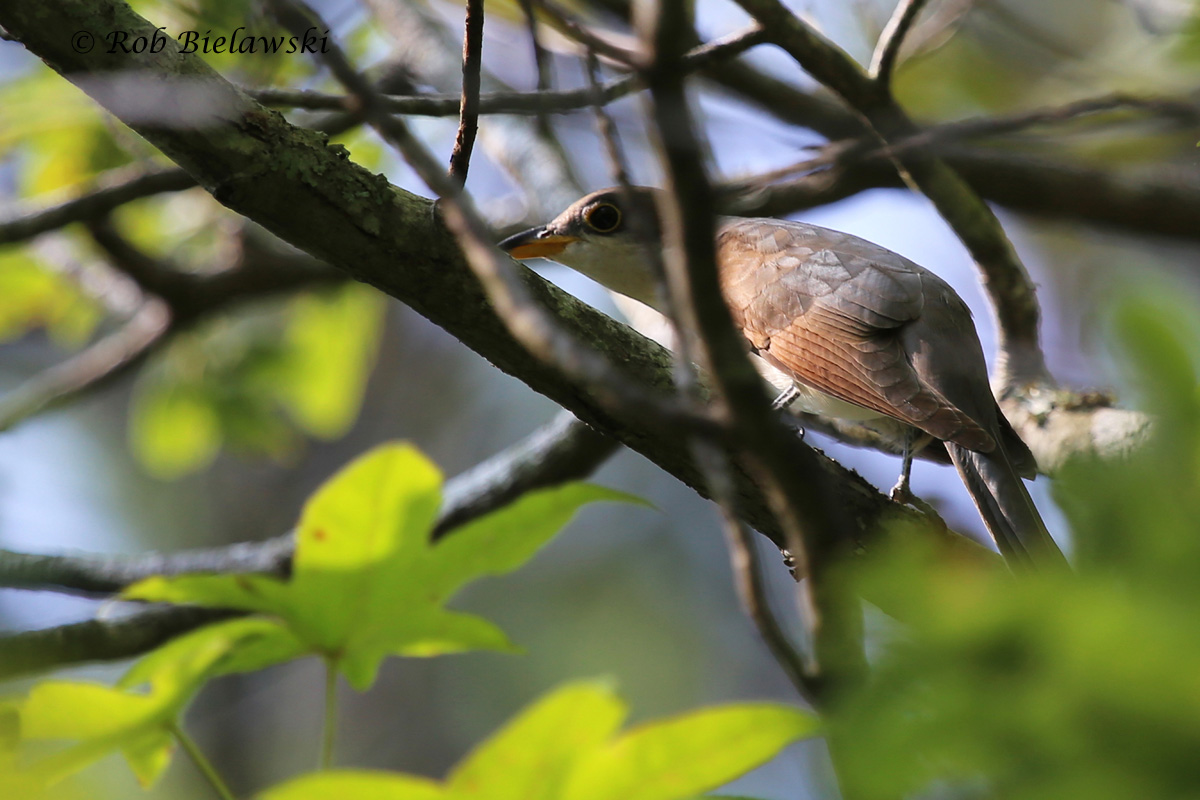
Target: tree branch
(787, 470)
(563, 450)
(33, 652)
(99, 362)
(306, 193)
(887, 49)
(1020, 362)
(468, 112)
(115, 190)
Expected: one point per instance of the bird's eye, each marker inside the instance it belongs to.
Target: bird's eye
(603, 217)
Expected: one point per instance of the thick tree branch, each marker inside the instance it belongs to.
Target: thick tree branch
(306, 193)
(99, 639)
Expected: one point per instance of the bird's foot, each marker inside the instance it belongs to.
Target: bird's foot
(902, 492)
(785, 398)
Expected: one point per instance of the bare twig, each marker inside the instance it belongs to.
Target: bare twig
(887, 50)
(100, 639)
(784, 466)
(539, 102)
(1186, 112)
(525, 319)
(114, 190)
(104, 360)
(562, 450)
(566, 22)
(468, 112)
(92, 575)
(751, 582)
(1021, 361)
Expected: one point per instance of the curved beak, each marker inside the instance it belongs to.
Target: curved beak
(536, 243)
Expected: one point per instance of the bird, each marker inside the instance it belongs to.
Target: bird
(843, 328)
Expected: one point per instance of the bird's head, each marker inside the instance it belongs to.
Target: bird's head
(603, 236)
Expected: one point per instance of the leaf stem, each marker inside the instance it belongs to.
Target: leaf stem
(330, 724)
(202, 763)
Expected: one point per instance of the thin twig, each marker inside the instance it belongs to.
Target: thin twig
(202, 763)
(1186, 112)
(887, 49)
(563, 450)
(100, 575)
(750, 579)
(113, 190)
(107, 358)
(567, 23)
(784, 467)
(1020, 362)
(330, 716)
(527, 321)
(539, 102)
(541, 61)
(468, 112)
(32, 652)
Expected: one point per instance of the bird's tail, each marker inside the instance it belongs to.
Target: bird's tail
(1006, 507)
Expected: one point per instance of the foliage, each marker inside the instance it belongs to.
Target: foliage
(566, 747)
(366, 582)
(241, 381)
(36, 297)
(1058, 685)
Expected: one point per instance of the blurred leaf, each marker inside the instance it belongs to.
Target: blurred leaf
(563, 748)
(366, 581)
(32, 297)
(63, 137)
(531, 756)
(675, 758)
(233, 382)
(330, 344)
(361, 785)
(252, 643)
(100, 720)
(173, 430)
(1057, 685)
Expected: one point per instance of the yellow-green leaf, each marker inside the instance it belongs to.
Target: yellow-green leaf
(357, 784)
(676, 758)
(529, 758)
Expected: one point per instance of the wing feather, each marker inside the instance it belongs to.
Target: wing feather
(830, 309)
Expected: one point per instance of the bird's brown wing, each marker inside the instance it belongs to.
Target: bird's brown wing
(838, 314)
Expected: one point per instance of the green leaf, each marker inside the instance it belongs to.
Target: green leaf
(366, 582)
(357, 784)
(507, 538)
(677, 758)
(530, 757)
(99, 720)
(251, 643)
(36, 297)
(330, 345)
(256, 380)
(562, 748)
(173, 430)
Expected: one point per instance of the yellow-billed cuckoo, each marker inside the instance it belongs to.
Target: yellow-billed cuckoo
(850, 329)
